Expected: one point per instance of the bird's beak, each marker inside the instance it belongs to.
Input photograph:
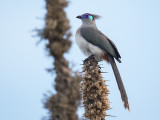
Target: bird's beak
(79, 17)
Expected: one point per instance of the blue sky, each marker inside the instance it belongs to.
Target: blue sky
(134, 26)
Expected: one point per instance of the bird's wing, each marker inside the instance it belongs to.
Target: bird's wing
(97, 38)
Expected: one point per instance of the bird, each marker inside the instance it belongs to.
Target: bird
(92, 41)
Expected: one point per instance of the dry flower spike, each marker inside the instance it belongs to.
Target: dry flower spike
(94, 91)
(62, 105)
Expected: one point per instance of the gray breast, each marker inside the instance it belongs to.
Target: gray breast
(88, 48)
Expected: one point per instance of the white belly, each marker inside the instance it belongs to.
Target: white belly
(88, 48)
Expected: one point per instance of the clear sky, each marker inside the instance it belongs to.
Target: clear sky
(134, 26)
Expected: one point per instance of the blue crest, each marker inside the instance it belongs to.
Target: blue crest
(87, 16)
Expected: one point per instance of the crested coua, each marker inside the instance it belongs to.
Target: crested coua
(91, 41)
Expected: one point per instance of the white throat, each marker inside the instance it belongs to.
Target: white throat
(88, 23)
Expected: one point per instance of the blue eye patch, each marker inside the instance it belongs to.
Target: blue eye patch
(90, 17)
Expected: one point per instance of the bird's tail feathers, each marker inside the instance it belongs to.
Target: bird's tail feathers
(120, 83)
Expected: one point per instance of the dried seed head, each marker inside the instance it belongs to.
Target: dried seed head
(63, 105)
(94, 91)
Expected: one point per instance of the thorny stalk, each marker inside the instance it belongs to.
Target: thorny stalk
(94, 91)
(63, 105)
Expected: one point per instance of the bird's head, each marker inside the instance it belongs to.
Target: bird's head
(88, 17)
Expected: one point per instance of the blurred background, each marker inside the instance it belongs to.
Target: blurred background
(134, 26)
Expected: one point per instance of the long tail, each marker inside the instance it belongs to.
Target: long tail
(120, 83)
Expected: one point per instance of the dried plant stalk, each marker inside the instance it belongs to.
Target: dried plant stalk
(94, 91)
(63, 105)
